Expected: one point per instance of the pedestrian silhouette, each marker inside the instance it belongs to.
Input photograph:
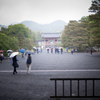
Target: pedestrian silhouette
(28, 63)
(14, 64)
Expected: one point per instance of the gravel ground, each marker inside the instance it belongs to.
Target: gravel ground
(37, 85)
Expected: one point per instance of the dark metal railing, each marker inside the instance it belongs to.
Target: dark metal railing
(78, 87)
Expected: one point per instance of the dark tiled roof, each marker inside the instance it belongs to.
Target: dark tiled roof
(51, 35)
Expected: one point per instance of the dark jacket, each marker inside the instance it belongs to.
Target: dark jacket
(15, 62)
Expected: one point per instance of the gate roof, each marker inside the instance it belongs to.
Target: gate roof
(51, 35)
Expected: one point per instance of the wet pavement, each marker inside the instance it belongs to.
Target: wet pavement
(37, 85)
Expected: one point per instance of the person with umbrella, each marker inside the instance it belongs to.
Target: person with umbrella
(22, 51)
(9, 53)
(14, 61)
(1, 55)
(28, 63)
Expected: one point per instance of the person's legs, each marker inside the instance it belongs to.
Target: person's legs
(27, 68)
(14, 70)
(1, 60)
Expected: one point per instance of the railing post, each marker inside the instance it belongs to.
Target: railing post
(85, 87)
(93, 87)
(78, 88)
(63, 87)
(55, 88)
(70, 87)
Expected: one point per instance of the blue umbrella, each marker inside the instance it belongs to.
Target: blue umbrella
(29, 52)
(91, 48)
(22, 50)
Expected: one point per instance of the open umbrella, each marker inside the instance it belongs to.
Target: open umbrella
(34, 47)
(14, 54)
(22, 50)
(1, 51)
(9, 51)
(60, 47)
(91, 48)
(29, 52)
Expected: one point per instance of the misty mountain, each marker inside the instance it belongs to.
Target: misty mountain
(55, 26)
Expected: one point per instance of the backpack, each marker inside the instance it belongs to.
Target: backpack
(29, 60)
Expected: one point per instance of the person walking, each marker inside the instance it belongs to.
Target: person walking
(72, 50)
(67, 49)
(1, 56)
(91, 51)
(28, 63)
(55, 50)
(51, 50)
(37, 50)
(14, 64)
(61, 50)
(75, 50)
(22, 55)
(47, 50)
(9, 53)
(41, 49)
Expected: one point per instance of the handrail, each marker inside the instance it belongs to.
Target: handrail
(78, 88)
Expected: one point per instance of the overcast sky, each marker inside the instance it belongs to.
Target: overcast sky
(42, 11)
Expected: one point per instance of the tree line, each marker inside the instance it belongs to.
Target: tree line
(16, 37)
(84, 33)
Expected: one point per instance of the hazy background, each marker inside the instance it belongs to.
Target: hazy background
(42, 11)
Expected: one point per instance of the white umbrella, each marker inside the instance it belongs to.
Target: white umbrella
(34, 47)
(14, 54)
(9, 51)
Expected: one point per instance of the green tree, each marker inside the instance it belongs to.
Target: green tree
(15, 30)
(21, 40)
(7, 43)
(95, 7)
(94, 23)
(75, 34)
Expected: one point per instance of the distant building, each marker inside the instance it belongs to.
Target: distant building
(50, 39)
